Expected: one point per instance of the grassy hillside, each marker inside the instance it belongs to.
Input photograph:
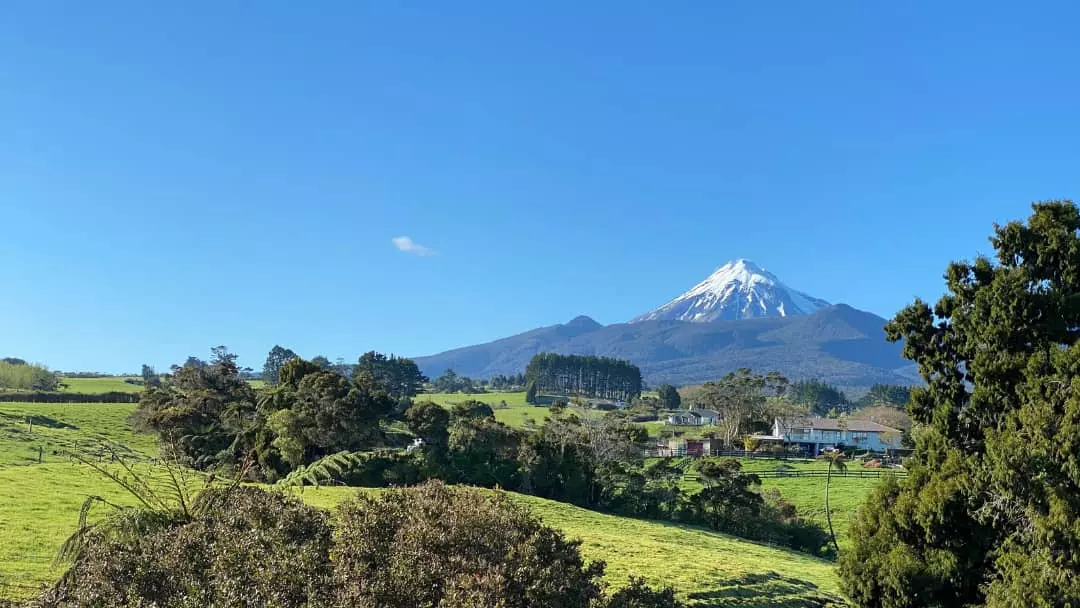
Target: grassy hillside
(707, 568)
(808, 493)
(39, 508)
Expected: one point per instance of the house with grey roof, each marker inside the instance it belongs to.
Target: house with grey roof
(816, 434)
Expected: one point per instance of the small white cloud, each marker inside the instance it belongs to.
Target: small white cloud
(406, 244)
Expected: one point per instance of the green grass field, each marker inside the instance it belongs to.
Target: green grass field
(57, 427)
(110, 384)
(808, 493)
(97, 386)
(517, 413)
(39, 508)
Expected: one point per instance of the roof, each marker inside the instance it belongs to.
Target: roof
(694, 413)
(834, 424)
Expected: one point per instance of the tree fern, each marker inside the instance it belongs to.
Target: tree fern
(326, 470)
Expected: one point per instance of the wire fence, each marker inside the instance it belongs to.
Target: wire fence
(866, 473)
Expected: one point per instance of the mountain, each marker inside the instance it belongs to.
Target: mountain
(837, 344)
(737, 290)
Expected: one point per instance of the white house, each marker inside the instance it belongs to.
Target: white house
(815, 434)
(693, 418)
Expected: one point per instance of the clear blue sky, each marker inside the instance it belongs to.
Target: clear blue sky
(175, 176)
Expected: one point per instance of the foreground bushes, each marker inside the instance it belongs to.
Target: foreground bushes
(246, 547)
(430, 546)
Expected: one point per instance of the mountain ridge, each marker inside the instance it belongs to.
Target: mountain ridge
(837, 344)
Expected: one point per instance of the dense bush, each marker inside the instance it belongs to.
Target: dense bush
(17, 374)
(247, 548)
(40, 397)
(637, 594)
(427, 546)
(437, 546)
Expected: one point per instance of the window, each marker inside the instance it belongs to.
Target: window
(858, 437)
(830, 435)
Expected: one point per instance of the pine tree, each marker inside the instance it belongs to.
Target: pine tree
(988, 512)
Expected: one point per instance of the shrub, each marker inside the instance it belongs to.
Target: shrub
(20, 375)
(246, 548)
(437, 546)
(48, 397)
(639, 595)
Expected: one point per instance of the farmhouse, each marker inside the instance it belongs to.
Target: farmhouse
(693, 418)
(815, 434)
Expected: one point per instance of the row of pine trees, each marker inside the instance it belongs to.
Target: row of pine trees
(587, 376)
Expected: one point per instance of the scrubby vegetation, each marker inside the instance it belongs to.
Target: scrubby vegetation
(430, 546)
(317, 426)
(16, 374)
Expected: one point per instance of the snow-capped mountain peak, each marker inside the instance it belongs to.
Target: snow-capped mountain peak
(739, 289)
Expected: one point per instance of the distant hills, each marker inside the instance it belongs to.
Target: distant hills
(837, 344)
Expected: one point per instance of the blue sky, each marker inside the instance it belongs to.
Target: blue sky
(175, 176)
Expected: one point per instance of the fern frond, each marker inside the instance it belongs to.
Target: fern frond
(325, 470)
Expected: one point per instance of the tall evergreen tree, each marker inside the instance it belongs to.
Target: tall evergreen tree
(277, 357)
(988, 513)
(669, 397)
(399, 376)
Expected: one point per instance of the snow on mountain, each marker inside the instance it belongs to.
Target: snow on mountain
(737, 290)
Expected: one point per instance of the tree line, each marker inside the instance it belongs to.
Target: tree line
(17, 374)
(581, 375)
(823, 399)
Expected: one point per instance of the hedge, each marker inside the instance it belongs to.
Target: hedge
(43, 397)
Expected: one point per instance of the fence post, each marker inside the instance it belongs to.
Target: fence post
(39, 451)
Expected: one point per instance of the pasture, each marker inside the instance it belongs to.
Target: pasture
(117, 384)
(58, 427)
(517, 413)
(808, 493)
(97, 386)
(39, 506)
